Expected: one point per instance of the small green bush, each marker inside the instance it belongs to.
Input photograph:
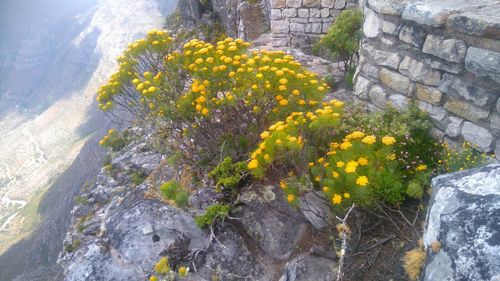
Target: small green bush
(454, 159)
(228, 174)
(172, 190)
(138, 177)
(115, 140)
(214, 213)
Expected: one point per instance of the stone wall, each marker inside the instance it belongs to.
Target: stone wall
(444, 56)
(299, 23)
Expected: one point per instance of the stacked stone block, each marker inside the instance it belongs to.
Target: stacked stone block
(299, 23)
(447, 63)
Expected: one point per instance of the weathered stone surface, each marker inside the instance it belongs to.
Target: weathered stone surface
(289, 12)
(388, 41)
(454, 127)
(399, 102)
(378, 96)
(388, 7)
(276, 14)
(294, 3)
(303, 13)
(481, 20)
(325, 12)
(495, 123)
(483, 63)
(388, 59)
(436, 113)
(457, 87)
(389, 27)
(454, 68)
(310, 268)
(429, 94)
(372, 24)
(466, 110)
(412, 35)
(498, 105)
(312, 3)
(339, 4)
(316, 210)
(326, 26)
(327, 3)
(279, 41)
(396, 81)
(419, 72)
(464, 215)
(299, 20)
(278, 4)
(314, 13)
(478, 136)
(370, 70)
(313, 28)
(297, 27)
(449, 49)
(361, 87)
(280, 26)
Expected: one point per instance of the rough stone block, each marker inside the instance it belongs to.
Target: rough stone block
(498, 105)
(314, 13)
(297, 27)
(388, 41)
(278, 4)
(294, 3)
(399, 102)
(435, 112)
(463, 210)
(388, 59)
(314, 28)
(280, 26)
(396, 81)
(419, 72)
(483, 63)
(377, 96)
(454, 127)
(454, 68)
(361, 87)
(327, 3)
(339, 4)
(371, 70)
(495, 123)
(300, 20)
(289, 12)
(372, 25)
(497, 156)
(335, 13)
(412, 35)
(312, 3)
(279, 42)
(303, 13)
(316, 210)
(325, 12)
(388, 7)
(326, 26)
(481, 23)
(318, 19)
(429, 94)
(449, 49)
(466, 110)
(276, 14)
(457, 87)
(389, 27)
(478, 136)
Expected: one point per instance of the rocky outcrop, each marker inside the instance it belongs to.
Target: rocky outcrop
(463, 220)
(444, 55)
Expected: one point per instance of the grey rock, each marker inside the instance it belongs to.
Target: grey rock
(276, 14)
(313, 28)
(388, 59)
(147, 229)
(203, 198)
(466, 110)
(372, 25)
(429, 94)
(378, 96)
(478, 136)
(457, 87)
(495, 123)
(370, 70)
(294, 3)
(454, 68)
(449, 49)
(278, 4)
(436, 113)
(412, 35)
(327, 3)
(311, 3)
(297, 27)
(388, 7)
(314, 13)
(316, 209)
(310, 267)
(396, 81)
(325, 12)
(280, 26)
(419, 72)
(279, 41)
(303, 13)
(498, 105)
(326, 26)
(389, 27)
(399, 102)
(454, 127)
(480, 21)
(289, 12)
(339, 4)
(463, 216)
(361, 87)
(483, 63)
(497, 150)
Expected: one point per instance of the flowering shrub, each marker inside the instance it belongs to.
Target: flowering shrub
(174, 192)
(458, 159)
(163, 269)
(114, 140)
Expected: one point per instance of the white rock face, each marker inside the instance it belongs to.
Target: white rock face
(464, 216)
(372, 25)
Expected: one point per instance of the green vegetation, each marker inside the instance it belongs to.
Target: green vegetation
(72, 246)
(138, 177)
(213, 214)
(173, 191)
(228, 174)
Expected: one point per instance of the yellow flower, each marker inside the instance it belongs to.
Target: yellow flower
(290, 197)
(340, 164)
(253, 164)
(259, 75)
(422, 167)
(283, 185)
(153, 278)
(363, 161)
(351, 167)
(347, 195)
(391, 157)
(320, 160)
(301, 102)
(326, 189)
(183, 271)
(283, 102)
(362, 181)
(204, 111)
(335, 174)
(264, 134)
(387, 140)
(283, 81)
(279, 72)
(278, 141)
(369, 139)
(311, 164)
(355, 135)
(336, 199)
(345, 145)
(295, 92)
(317, 178)
(232, 74)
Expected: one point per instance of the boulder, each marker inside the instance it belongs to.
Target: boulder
(316, 210)
(310, 268)
(464, 217)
